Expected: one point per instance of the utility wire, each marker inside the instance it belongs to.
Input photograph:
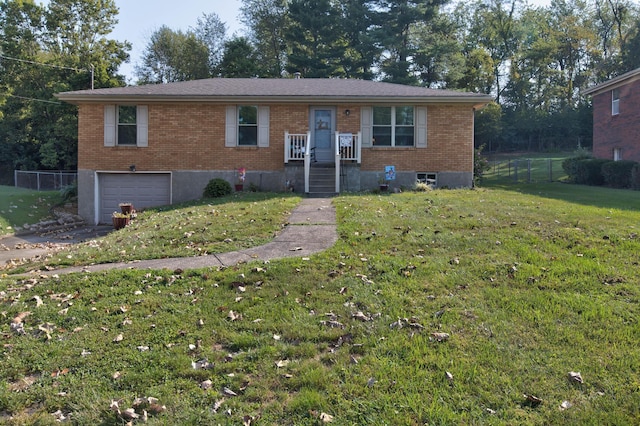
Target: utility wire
(41, 63)
(32, 99)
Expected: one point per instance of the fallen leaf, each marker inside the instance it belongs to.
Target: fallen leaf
(440, 337)
(449, 376)
(38, 301)
(534, 400)
(565, 405)
(575, 377)
(206, 385)
(360, 316)
(371, 381)
(282, 363)
(296, 249)
(229, 392)
(326, 418)
(118, 338)
(233, 316)
(217, 405)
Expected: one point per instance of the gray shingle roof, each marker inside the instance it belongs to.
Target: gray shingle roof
(274, 90)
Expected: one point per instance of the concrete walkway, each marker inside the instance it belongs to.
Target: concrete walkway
(311, 229)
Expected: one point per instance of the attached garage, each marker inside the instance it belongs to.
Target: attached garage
(141, 189)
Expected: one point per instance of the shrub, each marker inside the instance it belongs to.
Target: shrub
(69, 192)
(635, 177)
(570, 165)
(618, 173)
(217, 187)
(480, 164)
(589, 171)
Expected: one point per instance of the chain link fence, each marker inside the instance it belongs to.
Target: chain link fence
(526, 170)
(44, 180)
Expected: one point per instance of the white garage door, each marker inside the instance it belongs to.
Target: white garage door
(140, 189)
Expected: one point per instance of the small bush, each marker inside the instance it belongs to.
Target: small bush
(589, 171)
(69, 192)
(570, 165)
(618, 173)
(635, 177)
(217, 187)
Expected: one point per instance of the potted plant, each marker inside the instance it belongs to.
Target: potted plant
(120, 220)
(126, 208)
(242, 173)
(383, 183)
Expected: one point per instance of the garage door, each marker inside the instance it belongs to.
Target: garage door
(140, 189)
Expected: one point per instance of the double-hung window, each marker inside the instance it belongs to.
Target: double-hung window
(127, 125)
(615, 102)
(393, 126)
(247, 125)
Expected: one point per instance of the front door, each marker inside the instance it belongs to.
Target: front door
(323, 127)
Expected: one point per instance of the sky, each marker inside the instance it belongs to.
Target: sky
(138, 19)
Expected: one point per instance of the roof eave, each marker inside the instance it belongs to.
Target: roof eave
(89, 98)
(614, 82)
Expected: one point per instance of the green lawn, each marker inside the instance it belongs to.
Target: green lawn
(528, 282)
(19, 206)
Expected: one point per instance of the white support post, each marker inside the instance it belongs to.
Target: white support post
(337, 145)
(287, 147)
(307, 163)
(359, 148)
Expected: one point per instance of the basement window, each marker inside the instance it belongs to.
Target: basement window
(428, 178)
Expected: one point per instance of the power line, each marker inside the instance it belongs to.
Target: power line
(42, 63)
(32, 99)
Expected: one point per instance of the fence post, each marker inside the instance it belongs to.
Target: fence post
(550, 161)
(529, 170)
(515, 171)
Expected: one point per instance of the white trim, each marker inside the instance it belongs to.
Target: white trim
(142, 126)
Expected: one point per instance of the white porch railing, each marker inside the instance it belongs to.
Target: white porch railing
(349, 146)
(295, 146)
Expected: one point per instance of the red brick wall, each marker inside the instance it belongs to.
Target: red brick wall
(620, 131)
(190, 136)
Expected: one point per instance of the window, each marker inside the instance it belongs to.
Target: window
(127, 128)
(615, 102)
(428, 178)
(247, 125)
(393, 126)
(617, 154)
(126, 125)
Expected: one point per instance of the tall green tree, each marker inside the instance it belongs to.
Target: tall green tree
(394, 26)
(173, 56)
(267, 23)
(213, 33)
(239, 60)
(52, 48)
(317, 46)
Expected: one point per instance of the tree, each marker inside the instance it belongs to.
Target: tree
(173, 56)
(394, 23)
(48, 50)
(239, 59)
(317, 46)
(267, 23)
(213, 33)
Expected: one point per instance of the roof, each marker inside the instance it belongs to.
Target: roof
(284, 90)
(614, 82)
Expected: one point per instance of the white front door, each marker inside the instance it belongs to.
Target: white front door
(323, 126)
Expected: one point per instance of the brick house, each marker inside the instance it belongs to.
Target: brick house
(616, 117)
(160, 144)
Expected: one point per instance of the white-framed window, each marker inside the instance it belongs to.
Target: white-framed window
(617, 154)
(428, 178)
(393, 126)
(126, 125)
(247, 125)
(615, 102)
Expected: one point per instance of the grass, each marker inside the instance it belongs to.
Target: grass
(20, 206)
(528, 286)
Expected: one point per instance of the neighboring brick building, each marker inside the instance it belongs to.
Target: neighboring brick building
(616, 117)
(161, 144)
